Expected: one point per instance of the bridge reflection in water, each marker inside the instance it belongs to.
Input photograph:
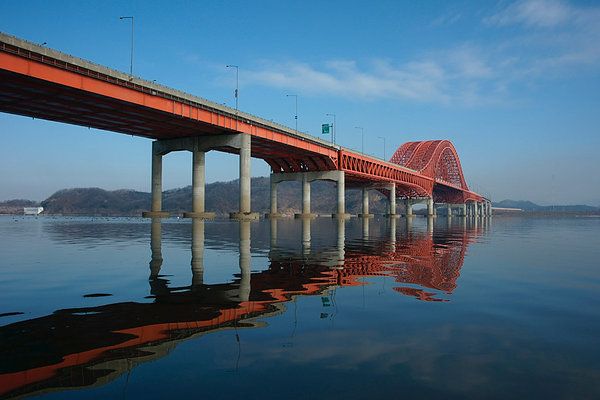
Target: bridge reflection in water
(90, 346)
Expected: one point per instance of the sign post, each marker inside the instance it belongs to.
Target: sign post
(326, 130)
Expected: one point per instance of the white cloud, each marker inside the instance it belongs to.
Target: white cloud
(553, 39)
(538, 13)
(428, 79)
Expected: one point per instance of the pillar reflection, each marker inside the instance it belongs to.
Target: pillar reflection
(341, 239)
(392, 222)
(197, 251)
(365, 228)
(273, 230)
(245, 260)
(155, 247)
(306, 236)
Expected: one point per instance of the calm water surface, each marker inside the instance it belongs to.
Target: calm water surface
(128, 308)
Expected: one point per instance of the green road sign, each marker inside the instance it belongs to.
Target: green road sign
(325, 129)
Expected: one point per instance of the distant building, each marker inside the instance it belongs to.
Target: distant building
(32, 210)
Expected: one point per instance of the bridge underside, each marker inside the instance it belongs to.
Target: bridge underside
(37, 98)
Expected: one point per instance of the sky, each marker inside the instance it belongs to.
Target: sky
(515, 85)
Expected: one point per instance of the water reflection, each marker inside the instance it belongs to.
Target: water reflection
(83, 346)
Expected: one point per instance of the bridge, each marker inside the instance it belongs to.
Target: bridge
(43, 83)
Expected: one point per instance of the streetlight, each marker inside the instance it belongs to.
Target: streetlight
(237, 92)
(296, 115)
(362, 138)
(334, 128)
(382, 138)
(131, 61)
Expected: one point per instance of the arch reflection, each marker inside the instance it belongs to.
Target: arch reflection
(422, 263)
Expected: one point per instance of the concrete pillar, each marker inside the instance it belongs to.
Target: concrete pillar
(365, 204)
(392, 199)
(245, 174)
(476, 209)
(156, 183)
(430, 208)
(463, 210)
(490, 209)
(408, 207)
(156, 259)
(341, 195)
(198, 181)
(156, 187)
(273, 197)
(449, 210)
(198, 186)
(305, 195)
(245, 258)
(305, 198)
(430, 224)
(245, 157)
(197, 251)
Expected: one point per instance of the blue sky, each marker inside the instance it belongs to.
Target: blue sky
(514, 85)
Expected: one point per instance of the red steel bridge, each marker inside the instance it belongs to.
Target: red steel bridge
(39, 82)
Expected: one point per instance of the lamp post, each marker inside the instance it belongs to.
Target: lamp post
(236, 94)
(334, 128)
(382, 138)
(131, 59)
(362, 138)
(295, 96)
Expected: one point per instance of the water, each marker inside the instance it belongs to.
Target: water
(126, 308)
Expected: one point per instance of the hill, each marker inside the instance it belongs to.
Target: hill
(16, 206)
(529, 206)
(221, 198)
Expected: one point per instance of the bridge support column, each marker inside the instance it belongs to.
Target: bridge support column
(392, 201)
(274, 213)
(245, 157)
(156, 206)
(305, 198)
(365, 204)
(430, 208)
(408, 207)
(341, 196)
(463, 210)
(449, 210)
(198, 186)
(476, 209)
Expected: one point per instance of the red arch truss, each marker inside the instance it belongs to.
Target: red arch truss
(437, 159)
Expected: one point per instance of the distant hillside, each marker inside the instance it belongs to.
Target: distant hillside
(529, 206)
(16, 206)
(96, 201)
(221, 198)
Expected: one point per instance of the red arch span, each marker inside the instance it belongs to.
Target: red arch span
(439, 160)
